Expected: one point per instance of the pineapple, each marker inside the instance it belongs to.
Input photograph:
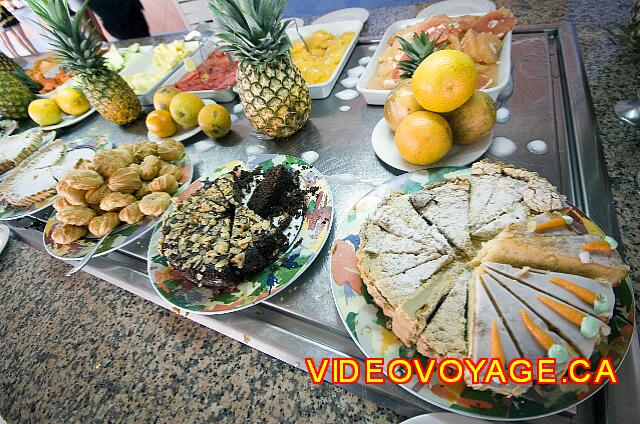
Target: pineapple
(80, 51)
(416, 51)
(7, 64)
(14, 96)
(271, 89)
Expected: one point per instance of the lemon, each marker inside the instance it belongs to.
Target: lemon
(473, 120)
(214, 120)
(444, 81)
(163, 96)
(423, 138)
(72, 101)
(400, 104)
(184, 108)
(45, 112)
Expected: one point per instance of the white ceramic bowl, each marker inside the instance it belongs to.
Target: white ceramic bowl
(378, 97)
(320, 91)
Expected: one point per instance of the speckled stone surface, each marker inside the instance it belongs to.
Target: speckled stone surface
(81, 350)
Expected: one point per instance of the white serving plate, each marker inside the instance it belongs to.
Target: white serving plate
(49, 74)
(321, 91)
(457, 7)
(68, 120)
(221, 96)
(378, 97)
(459, 155)
(144, 63)
(348, 14)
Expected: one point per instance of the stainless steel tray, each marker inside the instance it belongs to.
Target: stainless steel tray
(550, 100)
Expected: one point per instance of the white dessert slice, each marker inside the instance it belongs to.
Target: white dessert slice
(412, 315)
(16, 148)
(518, 214)
(374, 239)
(591, 296)
(398, 217)
(390, 292)
(446, 205)
(488, 338)
(444, 335)
(530, 333)
(565, 254)
(377, 266)
(581, 330)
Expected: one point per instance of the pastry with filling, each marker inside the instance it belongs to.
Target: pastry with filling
(149, 168)
(125, 153)
(61, 203)
(166, 183)
(83, 179)
(143, 149)
(142, 191)
(93, 197)
(170, 149)
(103, 224)
(169, 168)
(73, 196)
(125, 180)
(116, 201)
(154, 204)
(107, 161)
(65, 234)
(76, 215)
(131, 214)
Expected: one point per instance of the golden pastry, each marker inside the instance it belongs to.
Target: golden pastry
(101, 225)
(83, 179)
(142, 191)
(135, 167)
(116, 201)
(97, 209)
(125, 180)
(61, 203)
(169, 168)
(76, 215)
(65, 234)
(129, 148)
(170, 149)
(93, 197)
(131, 214)
(106, 162)
(143, 149)
(149, 168)
(154, 204)
(85, 164)
(126, 154)
(166, 183)
(72, 195)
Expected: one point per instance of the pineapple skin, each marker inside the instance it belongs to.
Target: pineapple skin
(7, 64)
(14, 97)
(112, 97)
(275, 97)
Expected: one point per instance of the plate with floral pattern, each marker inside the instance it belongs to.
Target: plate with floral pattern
(369, 327)
(116, 240)
(305, 247)
(11, 212)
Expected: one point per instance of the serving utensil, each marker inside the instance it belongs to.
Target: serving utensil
(93, 251)
(628, 111)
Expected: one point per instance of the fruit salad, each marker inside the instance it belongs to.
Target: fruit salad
(49, 74)
(119, 58)
(480, 37)
(165, 58)
(217, 72)
(325, 52)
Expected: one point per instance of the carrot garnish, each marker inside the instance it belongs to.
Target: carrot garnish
(538, 333)
(565, 311)
(584, 294)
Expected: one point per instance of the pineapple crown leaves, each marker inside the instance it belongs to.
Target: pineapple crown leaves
(417, 50)
(73, 39)
(255, 30)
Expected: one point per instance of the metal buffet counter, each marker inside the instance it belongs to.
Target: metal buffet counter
(548, 99)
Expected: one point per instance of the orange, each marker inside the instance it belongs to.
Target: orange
(214, 120)
(160, 123)
(423, 138)
(473, 120)
(184, 109)
(163, 95)
(444, 81)
(400, 104)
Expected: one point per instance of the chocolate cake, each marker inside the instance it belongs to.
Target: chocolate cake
(277, 194)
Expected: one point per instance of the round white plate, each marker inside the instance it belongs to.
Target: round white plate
(68, 120)
(443, 418)
(459, 155)
(457, 7)
(183, 133)
(4, 236)
(348, 14)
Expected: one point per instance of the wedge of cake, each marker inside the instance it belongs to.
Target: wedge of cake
(518, 214)
(14, 149)
(591, 296)
(488, 338)
(444, 335)
(377, 266)
(581, 330)
(373, 239)
(412, 315)
(446, 205)
(532, 336)
(544, 224)
(586, 255)
(389, 292)
(398, 216)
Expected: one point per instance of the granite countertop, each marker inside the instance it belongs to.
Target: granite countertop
(80, 349)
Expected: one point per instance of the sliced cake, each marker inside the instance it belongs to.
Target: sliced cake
(544, 224)
(412, 315)
(398, 216)
(373, 239)
(446, 205)
(581, 330)
(16, 148)
(518, 214)
(591, 296)
(444, 335)
(586, 255)
(377, 266)
(390, 292)
(532, 336)
(488, 338)
(277, 193)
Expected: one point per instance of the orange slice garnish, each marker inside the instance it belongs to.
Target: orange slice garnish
(565, 311)
(584, 294)
(538, 333)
